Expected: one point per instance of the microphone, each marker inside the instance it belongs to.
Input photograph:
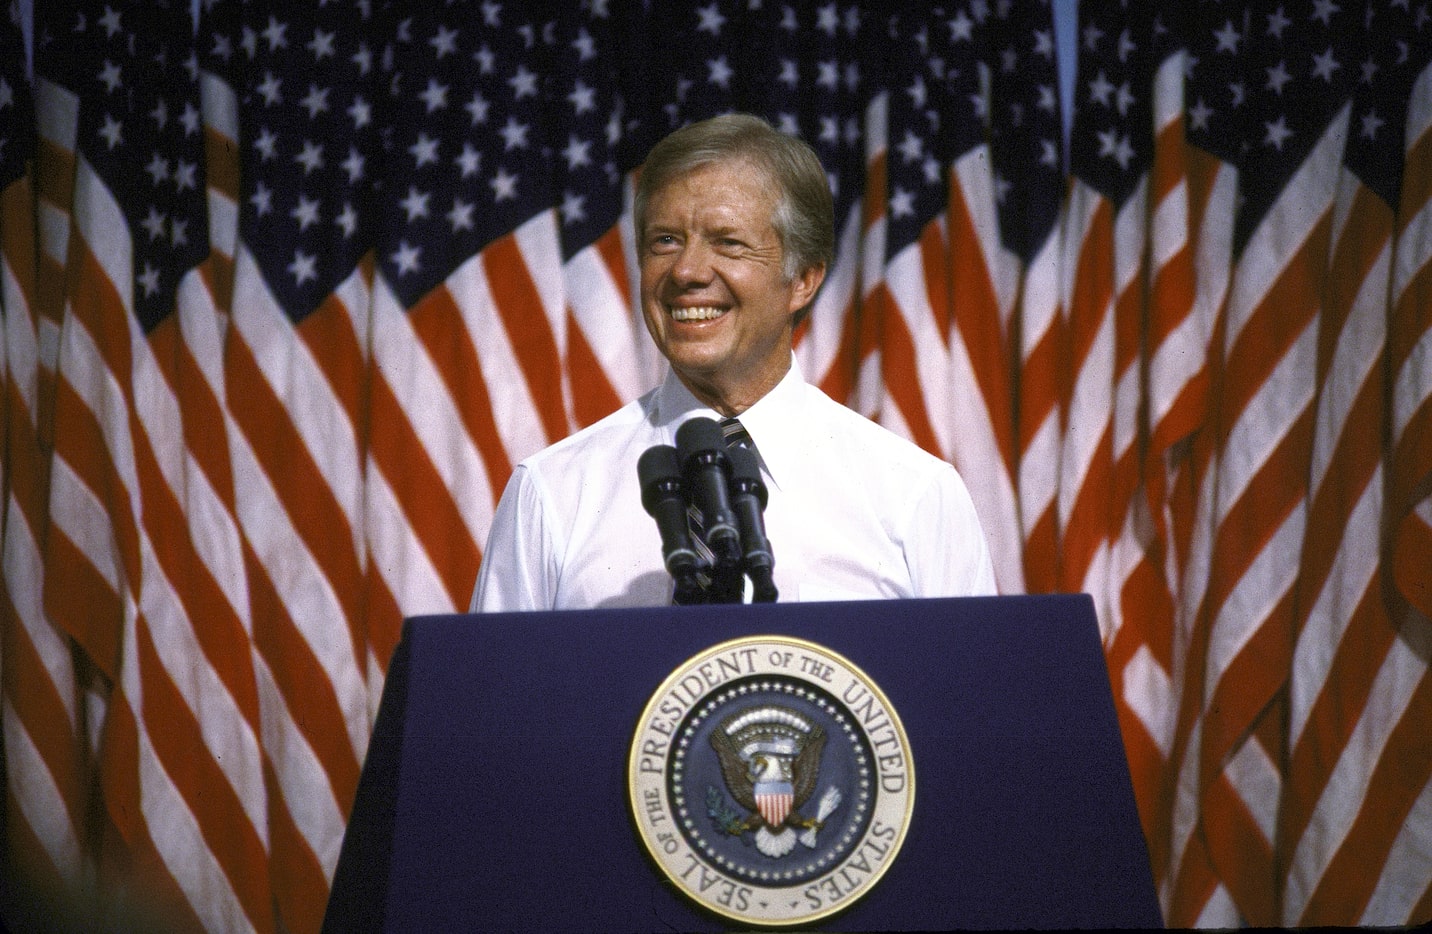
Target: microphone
(663, 497)
(748, 501)
(701, 447)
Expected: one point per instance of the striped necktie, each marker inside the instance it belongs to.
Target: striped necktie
(736, 434)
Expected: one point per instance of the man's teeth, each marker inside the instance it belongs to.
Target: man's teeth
(705, 313)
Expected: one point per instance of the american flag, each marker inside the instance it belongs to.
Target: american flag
(288, 291)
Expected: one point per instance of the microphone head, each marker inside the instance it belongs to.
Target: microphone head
(698, 436)
(746, 472)
(659, 470)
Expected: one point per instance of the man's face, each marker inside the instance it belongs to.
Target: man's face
(713, 292)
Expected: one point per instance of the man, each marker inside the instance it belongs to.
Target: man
(735, 231)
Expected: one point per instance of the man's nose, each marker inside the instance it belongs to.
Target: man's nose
(693, 264)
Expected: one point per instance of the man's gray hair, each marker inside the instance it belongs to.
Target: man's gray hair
(804, 216)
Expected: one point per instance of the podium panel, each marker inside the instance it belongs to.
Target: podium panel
(494, 794)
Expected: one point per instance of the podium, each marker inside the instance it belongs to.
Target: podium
(494, 792)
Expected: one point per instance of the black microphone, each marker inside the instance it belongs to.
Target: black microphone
(663, 497)
(701, 446)
(748, 501)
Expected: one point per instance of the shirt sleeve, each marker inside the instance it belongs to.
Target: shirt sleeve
(519, 569)
(945, 546)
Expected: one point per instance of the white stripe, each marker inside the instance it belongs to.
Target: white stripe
(819, 349)
(607, 323)
(40, 803)
(307, 595)
(24, 579)
(1268, 578)
(973, 173)
(1344, 589)
(1412, 385)
(905, 278)
(1148, 692)
(1419, 109)
(1286, 227)
(304, 785)
(84, 520)
(401, 361)
(1337, 810)
(21, 347)
(1264, 423)
(289, 368)
(1220, 911)
(106, 232)
(399, 556)
(1407, 874)
(1254, 777)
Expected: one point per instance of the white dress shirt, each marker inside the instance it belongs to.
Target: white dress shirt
(855, 512)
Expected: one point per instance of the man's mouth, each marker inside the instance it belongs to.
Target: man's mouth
(698, 313)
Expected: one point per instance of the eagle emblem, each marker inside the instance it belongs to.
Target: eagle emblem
(770, 761)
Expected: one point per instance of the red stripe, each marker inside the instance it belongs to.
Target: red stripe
(520, 307)
(300, 887)
(901, 373)
(593, 397)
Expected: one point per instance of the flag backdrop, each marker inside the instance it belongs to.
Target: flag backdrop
(289, 289)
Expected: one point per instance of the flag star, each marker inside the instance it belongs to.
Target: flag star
(460, 217)
(1127, 46)
(504, 186)
(718, 72)
(360, 111)
(828, 20)
(828, 75)
(1100, 88)
(112, 131)
(415, 204)
(110, 22)
(276, 35)
(1092, 36)
(911, 147)
(321, 45)
(1237, 92)
(160, 113)
(353, 165)
(1228, 38)
(1002, 188)
(158, 168)
(223, 48)
(445, 42)
(1116, 146)
(788, 19)
(178, 233)
(303, 268)
(269, 89)
(1277, 22)
(7, 93)
(523, 83)
(153, 223)
(491, 14)
(486, 60)
(1369, 70)
(582, 98)
(406, 258)
(577, 153)
(149, 280)
(1123, 99)
(262, 200)
(363, 58)
(1278, 133)
(585, 46)
(311, 158)
(1371, 123)
(478, 108)
(306, 212)
(931, 170)
(316, 101)
(1048, 153)
(709, 19)
(424, 151)
(1277, 77)
(190, 119)
(1199, 114)
(469, 160)
(788, 124)
(514, 135)
(789, 76)
(573, 208)
(435, 95)
(1325, 10)
(902, 204)
(1324, 65)
(918, 93)
(961, 28)
(110, 76)
(1009, 61)
(347, 221)
(829, 130)
(1048, 101)
(1044, 43)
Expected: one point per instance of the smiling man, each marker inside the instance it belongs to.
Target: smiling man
(735, 233)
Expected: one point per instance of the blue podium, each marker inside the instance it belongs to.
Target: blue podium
(494, 793)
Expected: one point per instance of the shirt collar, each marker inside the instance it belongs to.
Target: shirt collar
(774, 422)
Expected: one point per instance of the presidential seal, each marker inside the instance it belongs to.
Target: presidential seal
(771, 780)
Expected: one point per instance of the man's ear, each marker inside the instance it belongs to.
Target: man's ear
(805, 285)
